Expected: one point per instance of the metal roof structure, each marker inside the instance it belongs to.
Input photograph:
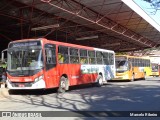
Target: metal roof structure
(107, 24)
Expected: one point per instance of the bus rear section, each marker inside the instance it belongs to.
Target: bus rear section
(131, 67)
(43, 64)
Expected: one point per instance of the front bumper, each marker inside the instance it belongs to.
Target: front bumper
(32, 85)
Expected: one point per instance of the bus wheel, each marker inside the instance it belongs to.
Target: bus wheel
(133, 77)
(63, 86)
(99, 81)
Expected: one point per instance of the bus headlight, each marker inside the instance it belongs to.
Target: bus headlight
(38, 78)
(8, 80)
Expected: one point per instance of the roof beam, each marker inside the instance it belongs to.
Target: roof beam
(108, 22)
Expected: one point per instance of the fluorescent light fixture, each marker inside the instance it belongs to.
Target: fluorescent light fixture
(112, 44)
(128, 49)
(45, 27)
(45, 0)
(155, 56)
(86, 38)
(142, 13)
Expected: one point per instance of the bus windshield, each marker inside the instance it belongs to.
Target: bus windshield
(121, 65)
(24, 61)
(154, 68)
(1, 70)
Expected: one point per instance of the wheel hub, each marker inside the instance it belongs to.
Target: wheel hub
(63, 84)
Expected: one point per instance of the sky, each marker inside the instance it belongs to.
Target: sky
(146, 10)
(150, 9)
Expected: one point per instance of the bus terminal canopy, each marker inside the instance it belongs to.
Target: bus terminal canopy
(107, 24)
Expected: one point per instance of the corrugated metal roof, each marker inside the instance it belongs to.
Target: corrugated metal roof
(111, 20)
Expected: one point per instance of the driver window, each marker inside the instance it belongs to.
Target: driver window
(50, 53)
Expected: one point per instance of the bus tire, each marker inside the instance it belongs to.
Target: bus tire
(63, 85)
(99, 82)
(133, 77)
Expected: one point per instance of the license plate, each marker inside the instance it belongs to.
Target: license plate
(21, 85)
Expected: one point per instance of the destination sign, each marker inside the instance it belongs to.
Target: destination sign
(121, 58)
(25, 44)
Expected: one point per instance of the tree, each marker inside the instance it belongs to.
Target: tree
(154, 3)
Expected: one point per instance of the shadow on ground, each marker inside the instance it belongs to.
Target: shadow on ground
(110, 97)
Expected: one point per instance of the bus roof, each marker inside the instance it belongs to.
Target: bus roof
(129, 56)
(63, 43)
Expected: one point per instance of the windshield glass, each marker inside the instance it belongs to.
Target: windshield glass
(24, 61)
(154, 68)
(121, 65)
(1, 70)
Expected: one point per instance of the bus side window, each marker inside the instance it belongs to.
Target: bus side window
(91, 55)
(74, 56)
(99, 57)
(83, 56)
(81, 60)
(60, 58)
(106, 58)
(63, 56)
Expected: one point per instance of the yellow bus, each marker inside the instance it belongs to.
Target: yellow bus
(131, 67)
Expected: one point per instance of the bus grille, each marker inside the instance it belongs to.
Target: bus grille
(22, 84)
